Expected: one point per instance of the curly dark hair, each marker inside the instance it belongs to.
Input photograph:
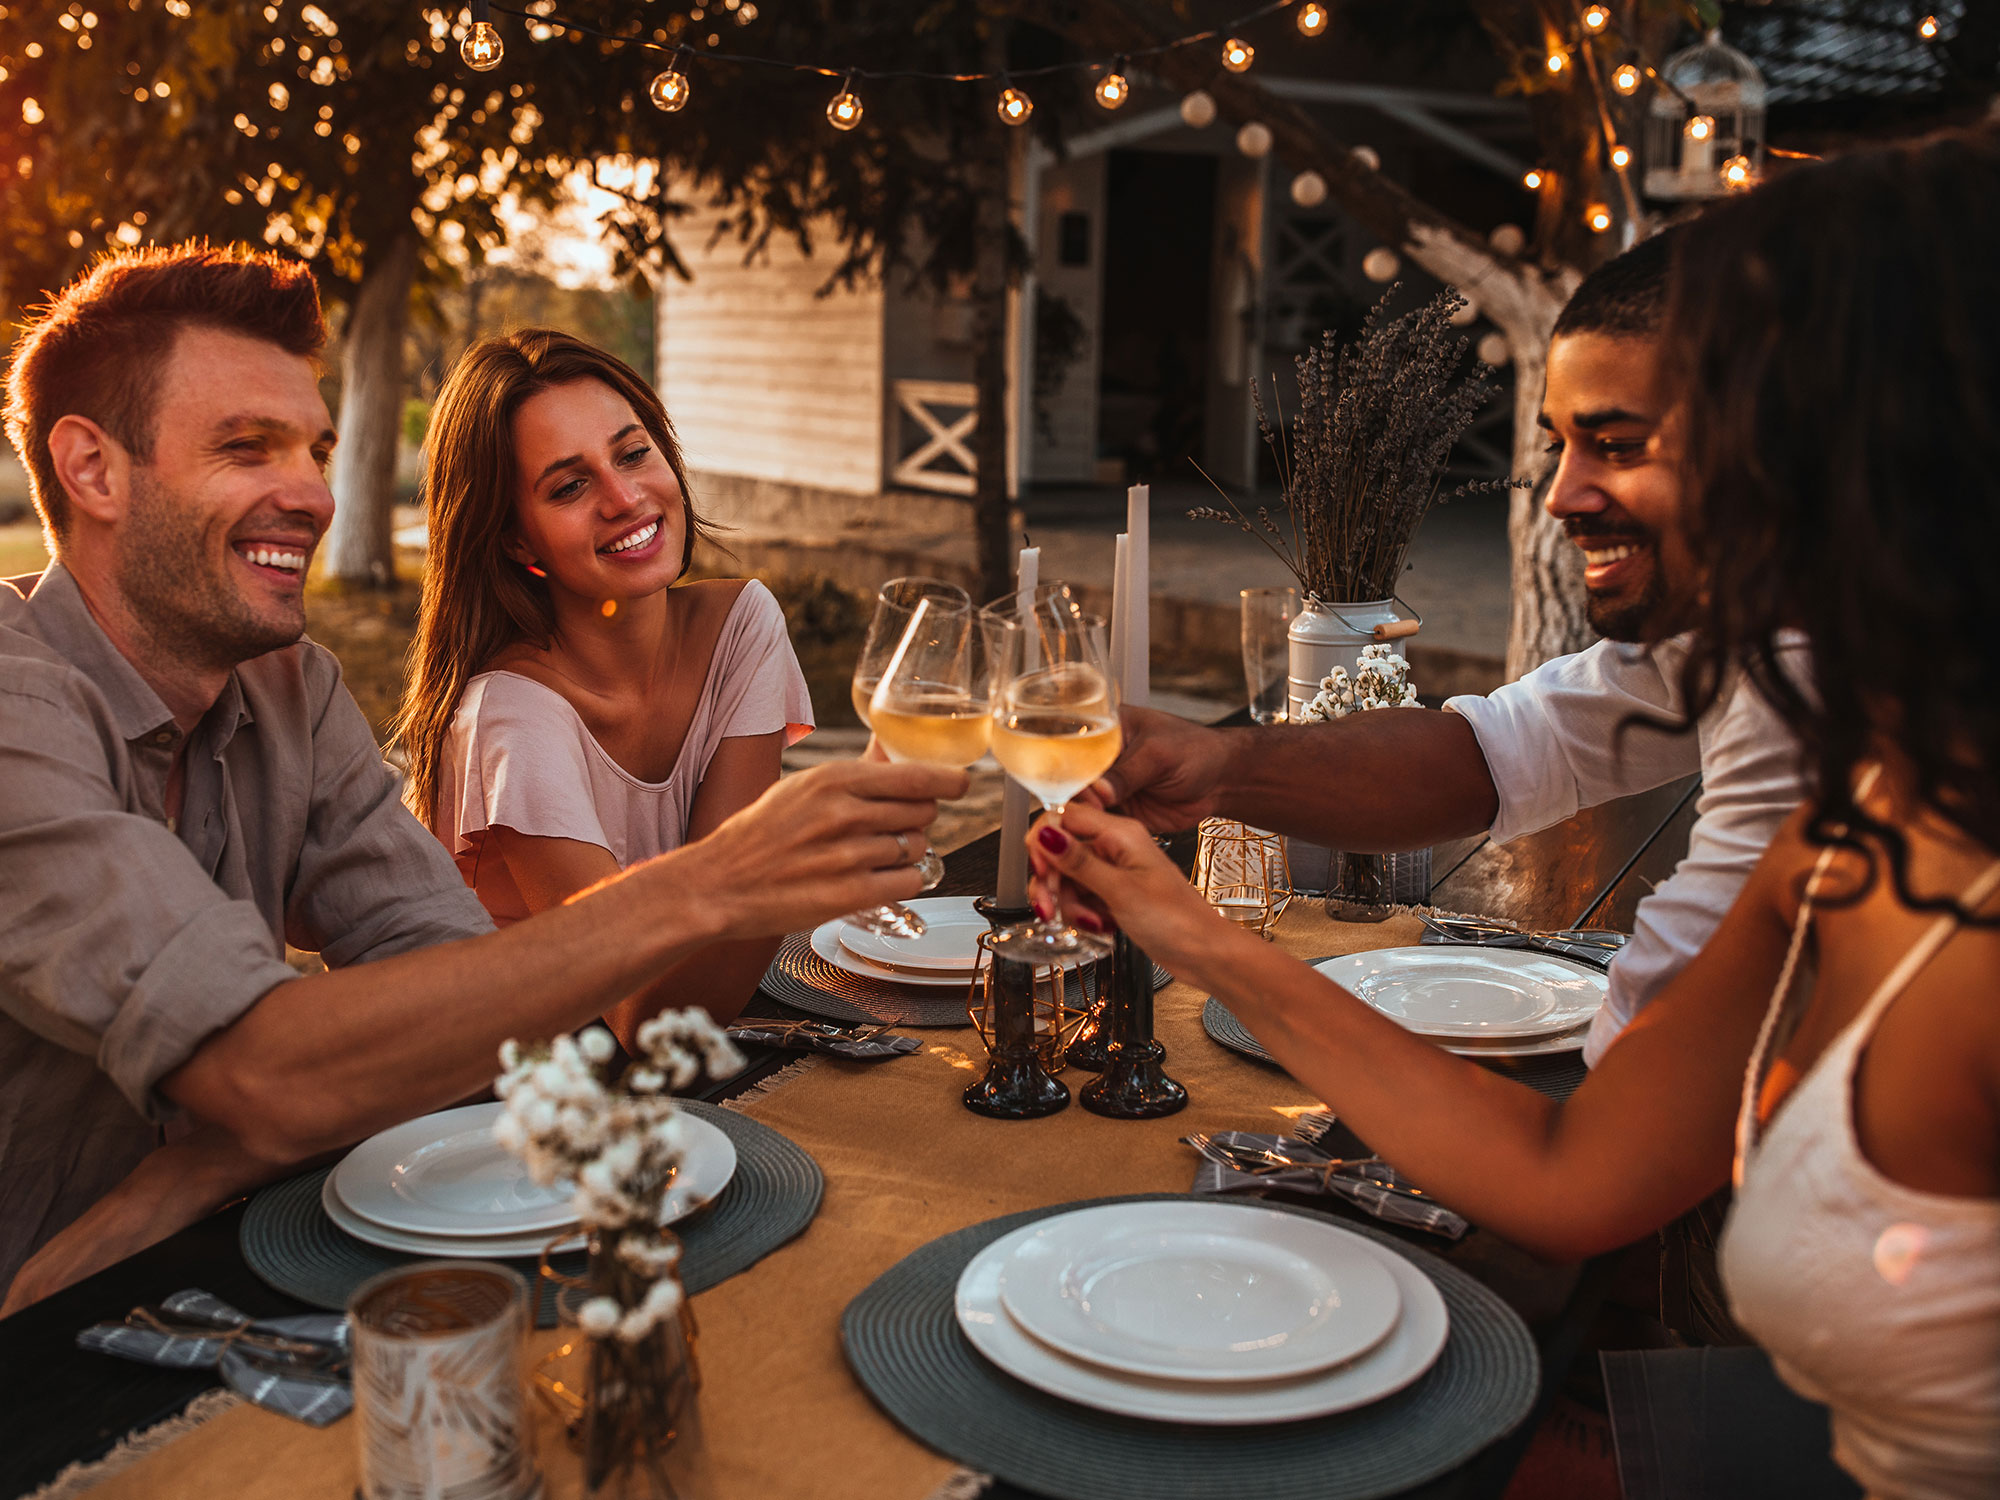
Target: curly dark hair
(1838, 334)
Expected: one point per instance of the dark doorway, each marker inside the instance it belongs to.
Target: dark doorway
(1158, 243)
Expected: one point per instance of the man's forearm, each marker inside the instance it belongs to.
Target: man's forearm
(324, 1061)
(1372, 782)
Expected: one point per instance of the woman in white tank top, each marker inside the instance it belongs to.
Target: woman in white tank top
(1832, 359)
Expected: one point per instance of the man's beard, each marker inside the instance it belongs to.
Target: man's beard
(180, 593)
(1624, 617)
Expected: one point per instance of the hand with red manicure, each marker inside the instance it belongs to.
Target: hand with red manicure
(1106, 870)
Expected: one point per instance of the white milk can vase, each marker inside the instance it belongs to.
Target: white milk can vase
(1359, 887)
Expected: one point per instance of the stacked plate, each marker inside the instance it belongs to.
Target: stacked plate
(943, 958)
(1209, 1313)
(442, 1186)
(1478, 1002)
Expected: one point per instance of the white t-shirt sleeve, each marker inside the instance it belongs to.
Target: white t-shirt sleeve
(1553, 742)
(516, 758)
(759, 687)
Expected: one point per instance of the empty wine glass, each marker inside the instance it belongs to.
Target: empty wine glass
(1054, 705)
(895, 603)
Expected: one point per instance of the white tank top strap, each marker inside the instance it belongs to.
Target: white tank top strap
(1862, 1026)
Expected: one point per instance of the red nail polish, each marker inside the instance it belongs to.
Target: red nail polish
(1054, 840)
(1042, 908)
(1087, 920)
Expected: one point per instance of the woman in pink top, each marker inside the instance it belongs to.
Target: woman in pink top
(570, 711)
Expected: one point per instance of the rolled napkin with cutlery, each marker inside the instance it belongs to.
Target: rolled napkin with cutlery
(1585, 945)
(297, 1366)
(1238, 1161)
(863, 1044)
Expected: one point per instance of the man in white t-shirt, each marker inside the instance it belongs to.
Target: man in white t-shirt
(1538, 750)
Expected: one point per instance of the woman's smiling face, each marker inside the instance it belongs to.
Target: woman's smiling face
(598, 508)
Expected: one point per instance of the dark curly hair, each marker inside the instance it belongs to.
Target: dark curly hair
(1838, 334)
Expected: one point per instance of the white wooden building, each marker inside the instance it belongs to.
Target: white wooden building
(1186, 265)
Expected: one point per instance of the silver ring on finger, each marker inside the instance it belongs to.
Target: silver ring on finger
(902, 847)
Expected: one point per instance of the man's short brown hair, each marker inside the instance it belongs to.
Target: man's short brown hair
(96, 350)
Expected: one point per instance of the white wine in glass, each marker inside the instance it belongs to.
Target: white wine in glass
(1055, 730)
(895, 603)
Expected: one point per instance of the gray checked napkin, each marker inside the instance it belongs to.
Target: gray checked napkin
(1240, 1161)
(297, 1367)
(868, 1045)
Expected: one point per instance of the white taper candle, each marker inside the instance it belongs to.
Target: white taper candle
(1138, 685)
(1011, 890)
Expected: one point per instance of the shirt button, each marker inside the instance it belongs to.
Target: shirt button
(163, 737)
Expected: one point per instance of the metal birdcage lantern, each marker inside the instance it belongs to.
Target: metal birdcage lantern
(1244, 873)
(1705, 123)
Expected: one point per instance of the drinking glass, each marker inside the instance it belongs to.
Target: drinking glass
(439, 1401)
(895, 603)
(1267, 618)
(1054, 706)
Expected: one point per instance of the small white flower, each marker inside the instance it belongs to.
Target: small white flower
(510, 1054)
(598, 1316)
(597, 1045)
(645, 1080)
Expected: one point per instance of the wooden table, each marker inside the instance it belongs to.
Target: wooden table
(59, 1405)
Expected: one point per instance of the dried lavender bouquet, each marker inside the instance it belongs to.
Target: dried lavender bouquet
(1360, 464)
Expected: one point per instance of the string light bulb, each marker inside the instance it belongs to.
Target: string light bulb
(1625, 78)
(1198, 110)
(1596, 18)
(482, 48)
(1113, 89)
(669, 90)
(1309, 189)
(1927, 28)
(1621, 156)
(1237, 55)
(843, 110)
(1557, 62)
(1013, 106)
(1533, 178)
(1598, 217)
(1312, 18)
(1738, 173)
(1700, 127)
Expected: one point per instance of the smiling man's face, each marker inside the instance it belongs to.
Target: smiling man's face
(1618, 483)
(222, 521)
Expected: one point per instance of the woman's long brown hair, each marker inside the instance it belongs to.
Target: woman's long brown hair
(477, 601)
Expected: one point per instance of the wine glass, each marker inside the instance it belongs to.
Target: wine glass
(895, 603)
(1054, 705)
(930, 704)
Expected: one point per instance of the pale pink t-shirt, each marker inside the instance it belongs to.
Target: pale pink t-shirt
(518, 756)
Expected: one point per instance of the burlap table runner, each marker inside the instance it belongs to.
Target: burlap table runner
(905, 1162)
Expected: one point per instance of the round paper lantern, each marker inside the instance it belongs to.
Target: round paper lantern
(1198, 110)
(1309, 190)
(1494, 348)
(1254, 139)
(1380, 264)
(1508, 239)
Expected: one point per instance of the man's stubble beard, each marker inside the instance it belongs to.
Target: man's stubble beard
(1628, 620)
(180, 594)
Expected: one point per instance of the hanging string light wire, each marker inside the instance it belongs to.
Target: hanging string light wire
(560, 22)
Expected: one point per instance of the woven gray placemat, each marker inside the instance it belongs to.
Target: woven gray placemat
(292, 1245)
(902, 1339)
(801, 979)
(1557, 1075)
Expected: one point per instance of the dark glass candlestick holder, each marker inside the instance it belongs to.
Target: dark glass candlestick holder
(1022, 1029)
(1134, 1084)
(1090, 1048)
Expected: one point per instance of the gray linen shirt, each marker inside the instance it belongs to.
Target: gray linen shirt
(126, 941)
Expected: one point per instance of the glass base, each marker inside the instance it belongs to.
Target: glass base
(890, 920)
(1039, 943)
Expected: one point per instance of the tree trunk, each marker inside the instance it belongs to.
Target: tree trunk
(991, 520)
(358, 548)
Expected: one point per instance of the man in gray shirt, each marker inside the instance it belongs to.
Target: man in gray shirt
(185, 786)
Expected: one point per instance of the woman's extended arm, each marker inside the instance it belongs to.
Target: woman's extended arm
(1648, 1135)
(548, 871)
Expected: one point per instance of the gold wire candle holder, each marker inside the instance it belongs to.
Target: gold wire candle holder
(1244, 873)
(1052, 1019)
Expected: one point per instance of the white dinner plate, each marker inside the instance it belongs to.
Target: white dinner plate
(1482, 993)
(1541, 1046)
(826, 943)
(444, 1176)
(950, 944)
(1199, 1291)
(480, 1247)
(1411, 1348)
